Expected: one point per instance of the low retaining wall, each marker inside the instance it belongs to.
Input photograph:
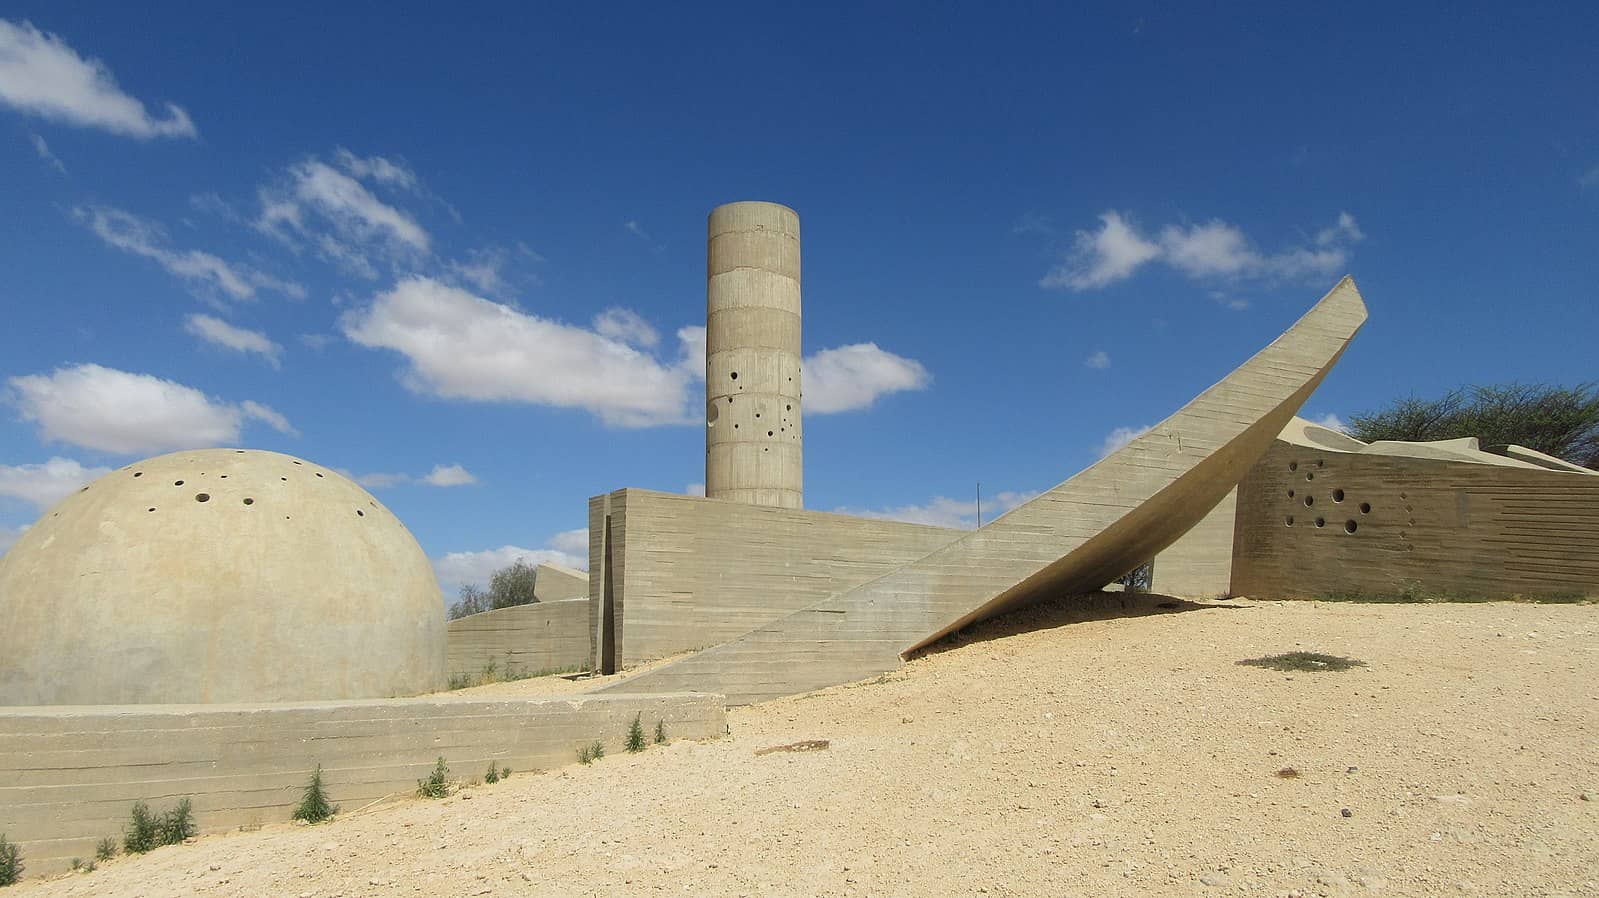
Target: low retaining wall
(69, 775)
(531, 639)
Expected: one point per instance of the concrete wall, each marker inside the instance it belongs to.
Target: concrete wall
(544, 636)
(552, 583)
(70, 775)
(1071, 539)
(1200, 565)
(689, 572)
(1435, 524)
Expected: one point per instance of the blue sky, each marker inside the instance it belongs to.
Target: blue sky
(461, 255)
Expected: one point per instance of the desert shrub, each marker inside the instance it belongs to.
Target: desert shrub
(10, 862)
(588, 754)
(660, 732)
(314, 805)
(1559, 421)
(496, 774)
(178, 823)
(1309, 662)
(635, 735)
(106, 849)
(437, 784)
(143, 832)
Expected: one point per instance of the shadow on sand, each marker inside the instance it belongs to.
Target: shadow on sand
(1073, 609)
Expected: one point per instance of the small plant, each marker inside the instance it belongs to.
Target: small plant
(437, 784)
(106, 849)
(588, 754)
(314, 806)
(461, 680)
(635, 735)
(143, 832)
(90, 867)
(178, 823)
(1310, 662)
(660, 732)
(10, 862)
(77, 864)
(490, 671)
(496, 774)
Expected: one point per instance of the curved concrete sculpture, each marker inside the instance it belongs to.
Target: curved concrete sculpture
(218, 575)
(1074, 538)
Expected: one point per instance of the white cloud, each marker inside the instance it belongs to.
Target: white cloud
(852, 377)
(1100, 360)
(573, 542)
(1102, 257)
(461, 346)
(694, 489)
(269, 416)
(132, 234)
(625, 326)
(340, 218)
(482, 269)
(377, 169)
(1214, 250)
(118, 411)
(449, 475)
(457, 569)
(43, 149)
(376, 481)
(220, 333)
(943, 511)
(41, 75)
(1331, 422)
(46, 484)
(1120, 437)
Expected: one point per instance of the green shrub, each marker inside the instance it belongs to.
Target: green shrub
(496, 774)
(660, 732)
(588, 754)
(1308, 662)
(178, 823)
(635, 735)
(10, 862)
(437, 784)
(314, 805)
(143, 832)
(106, 850)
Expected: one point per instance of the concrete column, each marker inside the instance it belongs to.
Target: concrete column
(753, 438)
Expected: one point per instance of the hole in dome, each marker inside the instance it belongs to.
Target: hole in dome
(734, 375)
(768, 433)
(1309, 501)
(319, 473)
(249, 501)
(284, 479)
(1350, 526)
(224, 477)
(239, 451)
(1365, 508)
(788, 408)
(1321, 522)
(1338, 495)
(152, 508)
(84, 490)
(359, 513)
(1310, 475)
(1290, 494)
(298, 463)
(202, 497)
(757, 414)
(1289, 521)
(177, 483)
(138, 473)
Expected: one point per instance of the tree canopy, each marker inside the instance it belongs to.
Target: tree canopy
(1559, 421)
(511, 585)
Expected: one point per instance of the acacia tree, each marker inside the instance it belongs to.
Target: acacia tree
(1559, 421)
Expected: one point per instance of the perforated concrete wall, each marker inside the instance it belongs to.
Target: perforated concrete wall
(69, 776)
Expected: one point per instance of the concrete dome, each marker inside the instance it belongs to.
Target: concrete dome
(218, 575)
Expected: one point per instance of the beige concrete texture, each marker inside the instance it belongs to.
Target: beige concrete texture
(1422, 518)
(1074, 538)
(688, 572)
(524, 640)
(218, 575)
(1200, 564)
(753, 436)
(553, 583)
(69, 776)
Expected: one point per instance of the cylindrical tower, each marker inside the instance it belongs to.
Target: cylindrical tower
(753, 438)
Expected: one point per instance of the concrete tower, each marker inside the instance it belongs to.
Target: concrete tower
(753, 438)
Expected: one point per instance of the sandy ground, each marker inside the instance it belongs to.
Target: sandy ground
(1124, 756)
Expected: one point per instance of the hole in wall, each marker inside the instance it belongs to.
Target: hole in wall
(1309, 501)
(359, 513)
(319, 473)
(249, 501)
(1293, 466)
(1321, 522)
(202, 497)
(238, 451)
(224, 477)
(177, 483)
(1289, 520)
(1310, 475)
(768, 433)
(734, 375)
(138, 473)
(152, 508)
(1350, 526)
(298, 462)
(1365, 508)
(1290, 494)
(284, 479)
(1338, 495)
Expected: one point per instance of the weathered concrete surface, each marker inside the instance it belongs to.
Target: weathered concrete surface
(688, 572)
(1200, 564)
(529, 639)
(218, 575)
(553, 583)
(753, 437)
(1074, 538)
(1389, 517)
(70, 775)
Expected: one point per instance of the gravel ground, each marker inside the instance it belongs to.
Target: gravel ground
(1039, 756)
